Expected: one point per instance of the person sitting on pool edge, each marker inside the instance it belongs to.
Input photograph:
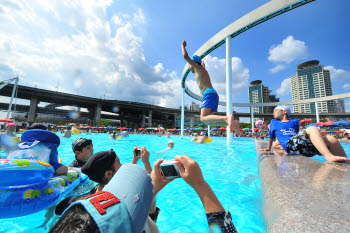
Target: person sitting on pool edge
(210, 97)
(307, 142)
(83, 150)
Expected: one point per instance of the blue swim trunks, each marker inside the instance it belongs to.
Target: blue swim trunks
(210, 99)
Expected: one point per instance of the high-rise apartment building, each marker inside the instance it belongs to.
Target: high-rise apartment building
(312, 81)
(339, 105)
(258, 93)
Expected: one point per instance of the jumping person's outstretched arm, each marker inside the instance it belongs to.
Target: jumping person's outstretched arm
(185, 54)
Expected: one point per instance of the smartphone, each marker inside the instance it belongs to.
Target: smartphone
(169, 169)
(138, 152)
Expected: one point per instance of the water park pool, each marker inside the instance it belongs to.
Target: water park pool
(231, 171)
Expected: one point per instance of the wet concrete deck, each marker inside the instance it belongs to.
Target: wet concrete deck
(303, 195)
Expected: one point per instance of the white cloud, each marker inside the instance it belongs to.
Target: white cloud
(217, 71)
(338, 74)
(277, 68)
(346, 86)
(84, 48)
(288, 51)
(285, 88)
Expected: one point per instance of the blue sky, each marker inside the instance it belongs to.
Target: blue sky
(130, 50)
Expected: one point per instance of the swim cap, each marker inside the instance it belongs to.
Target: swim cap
(284, 107)
(170, 142)
(197, 59)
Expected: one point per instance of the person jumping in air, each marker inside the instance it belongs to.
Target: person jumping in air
(210, 100)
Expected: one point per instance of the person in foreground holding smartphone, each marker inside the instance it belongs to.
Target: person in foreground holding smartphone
(189, 170)
(215, 212)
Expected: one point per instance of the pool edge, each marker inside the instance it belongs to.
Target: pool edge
(303, 195)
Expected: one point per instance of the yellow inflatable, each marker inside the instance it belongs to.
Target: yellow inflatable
(75, 131)
(207, 140)
(59, 160)
(119, 137)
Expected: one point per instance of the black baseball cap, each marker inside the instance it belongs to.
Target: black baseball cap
(80, 143)
(37, 126)
(97, 165)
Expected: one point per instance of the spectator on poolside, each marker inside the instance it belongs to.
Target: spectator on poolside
(83, 150)
(307, 142)
(210, 97)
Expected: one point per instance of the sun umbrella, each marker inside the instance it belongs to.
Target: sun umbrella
(214, 129)
(339, 123)
(313, 124)
(142, 129)
(305, 120)
(328, 123)
(320, 124)
(339, 132)
(222, 128)
(6, 120)
(246, 129)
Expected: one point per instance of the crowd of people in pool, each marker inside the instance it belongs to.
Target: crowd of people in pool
(124, 198)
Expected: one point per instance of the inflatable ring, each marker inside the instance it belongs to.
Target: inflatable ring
(59, 160)
(207, 140)
(75, 131)
(119, 137)
(29, 186)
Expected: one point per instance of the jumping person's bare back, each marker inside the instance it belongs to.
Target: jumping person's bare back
(202, 77)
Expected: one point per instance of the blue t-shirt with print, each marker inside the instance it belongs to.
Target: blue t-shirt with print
(284, 130)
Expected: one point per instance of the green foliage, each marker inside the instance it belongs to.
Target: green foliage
(104, 123)
(245, 125)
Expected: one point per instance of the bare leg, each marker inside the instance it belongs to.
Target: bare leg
(208, 117)
(277, 145)
(319, 142)
(334, 146)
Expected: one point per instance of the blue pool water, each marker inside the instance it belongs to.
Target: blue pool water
(231, 171)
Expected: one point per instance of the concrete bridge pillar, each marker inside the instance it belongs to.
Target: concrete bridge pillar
(174, 120)
(143, 120)
(32, 109)
(192, 122)
(121, 116)
(149, 118)
(97, 113)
